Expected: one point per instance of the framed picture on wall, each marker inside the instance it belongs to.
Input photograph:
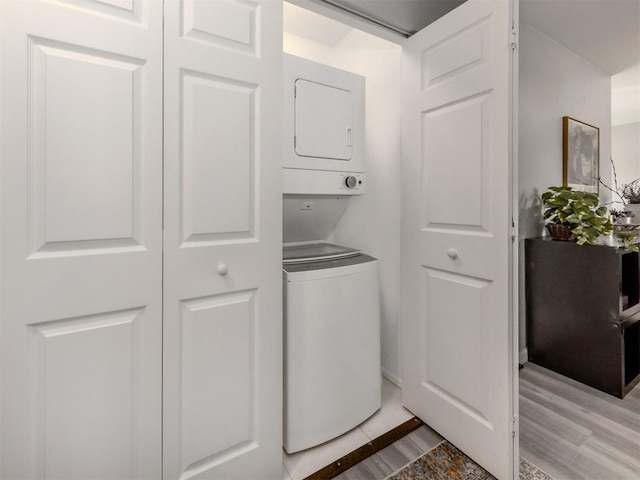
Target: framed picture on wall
(580, 155)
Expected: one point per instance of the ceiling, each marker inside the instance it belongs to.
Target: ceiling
(307, 24)
(604, 32)
(405, 17)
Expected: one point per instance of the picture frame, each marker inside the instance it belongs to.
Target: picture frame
(580, 155)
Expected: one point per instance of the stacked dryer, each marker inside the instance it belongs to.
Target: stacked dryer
(331, 293)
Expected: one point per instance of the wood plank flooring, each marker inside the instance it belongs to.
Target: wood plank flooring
(392, 458)
(572, 431)
(567, 429)
(365, 451)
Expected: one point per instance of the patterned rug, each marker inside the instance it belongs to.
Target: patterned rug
(446, 462)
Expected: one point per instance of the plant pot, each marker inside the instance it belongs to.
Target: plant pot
(623, 220)
(560, 231)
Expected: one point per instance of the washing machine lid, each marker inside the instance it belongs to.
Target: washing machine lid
(315, 252)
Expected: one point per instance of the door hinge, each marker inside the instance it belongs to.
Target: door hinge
(513, 231)
(514, 38)
(513, 427)
(295, 140)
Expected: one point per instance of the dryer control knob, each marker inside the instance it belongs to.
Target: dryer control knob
(351, 181)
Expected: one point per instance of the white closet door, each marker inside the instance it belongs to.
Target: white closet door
(457, 248)
(223, 234)
(81, 239)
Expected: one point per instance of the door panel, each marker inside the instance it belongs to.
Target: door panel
(81, 239)
(450, 342)
(96, 144)
(218, 330)
(457, 330)
(223, 240)
(453, 187)
(108, 377)
(233, 24)
(218, 160)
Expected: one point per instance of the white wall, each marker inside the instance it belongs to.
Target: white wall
(553, 82)
(625, 150)
(625, 96)
(625, 118)
(372, 221)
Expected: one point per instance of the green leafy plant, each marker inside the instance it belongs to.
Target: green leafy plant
(631, 191)
(581, 211)
(615, 212)
(629, 240)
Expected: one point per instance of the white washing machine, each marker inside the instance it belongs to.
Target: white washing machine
(332, 342)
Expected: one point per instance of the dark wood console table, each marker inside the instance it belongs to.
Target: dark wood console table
(583, 312)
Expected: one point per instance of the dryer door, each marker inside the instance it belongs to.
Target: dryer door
(323, 121)
(323, 117)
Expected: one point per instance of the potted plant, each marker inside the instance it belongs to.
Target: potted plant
(622, 228)
(630, 193)
(575, 215)
(619, 216)
(629, 241)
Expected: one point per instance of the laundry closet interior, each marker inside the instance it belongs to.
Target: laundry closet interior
(341, 189)
(155, 173)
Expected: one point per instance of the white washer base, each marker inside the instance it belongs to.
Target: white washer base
(332, 352)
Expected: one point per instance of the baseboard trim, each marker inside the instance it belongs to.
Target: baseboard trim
(350, 459)
(523, 356)
(392, 378)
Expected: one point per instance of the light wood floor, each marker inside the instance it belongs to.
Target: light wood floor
(569, 430)
(392, 458)
(572, 431)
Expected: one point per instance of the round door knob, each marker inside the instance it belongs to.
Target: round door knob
(452, 253)
(223, 269)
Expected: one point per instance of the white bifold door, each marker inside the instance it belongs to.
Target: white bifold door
(81, 240)
(223, 240)
(87, 328)
(457, 248)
